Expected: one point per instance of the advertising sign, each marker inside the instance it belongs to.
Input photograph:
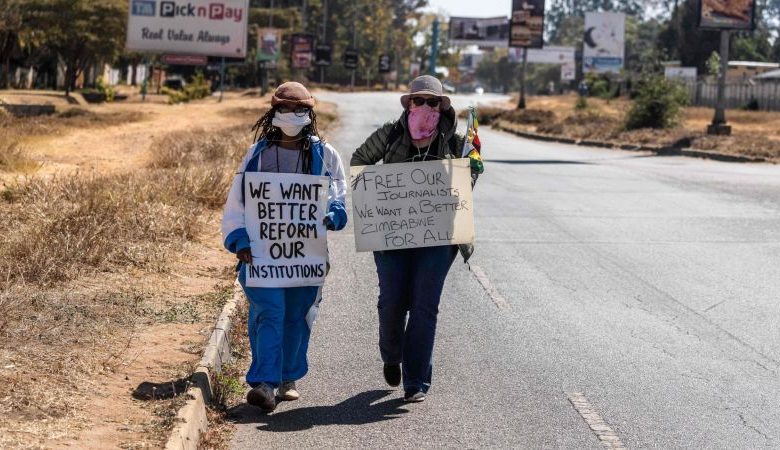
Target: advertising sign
(680, 73)
(301, 50)
(527, 24)
(490, 32)
(269, 44)
(410, 205)
(604, 42)
(322, 55)
(185, 60)
(545, 55)
(727, 14)
(384, 63)
(194, 27)
(350, 58)
(283, 215)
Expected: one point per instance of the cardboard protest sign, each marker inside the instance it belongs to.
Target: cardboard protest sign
(409, 205)
(283, 214)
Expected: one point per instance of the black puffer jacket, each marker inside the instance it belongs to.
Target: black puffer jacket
(377, 148)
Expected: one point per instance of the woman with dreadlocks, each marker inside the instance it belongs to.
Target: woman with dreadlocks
(280, 319)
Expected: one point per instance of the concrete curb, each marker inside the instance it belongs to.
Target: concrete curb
(191, 418)
(665, 151)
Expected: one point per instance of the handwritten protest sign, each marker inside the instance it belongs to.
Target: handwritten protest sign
(283, 215)
(408, 205)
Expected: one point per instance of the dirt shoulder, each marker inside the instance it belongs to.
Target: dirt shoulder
(755, 134)
(113, 266)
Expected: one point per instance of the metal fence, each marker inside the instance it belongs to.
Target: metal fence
(738, 95)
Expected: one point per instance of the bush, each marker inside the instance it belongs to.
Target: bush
(657, 105)
(602, 87)
(751, 105)
(198, 88)
(581, 103)
(103, 88)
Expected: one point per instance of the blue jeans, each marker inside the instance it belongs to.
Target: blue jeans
(411, 282)
(278, 332)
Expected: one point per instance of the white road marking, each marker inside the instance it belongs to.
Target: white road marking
(600, 428)
(483, 279)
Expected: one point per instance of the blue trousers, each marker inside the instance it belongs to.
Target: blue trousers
(410, 284)
(278, 332)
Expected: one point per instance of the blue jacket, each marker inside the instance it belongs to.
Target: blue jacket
(325, 161)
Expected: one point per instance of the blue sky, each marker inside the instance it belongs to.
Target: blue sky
(473, 8)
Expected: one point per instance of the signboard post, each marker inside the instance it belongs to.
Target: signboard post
(410, 205)
(284, 214)
(725, 16)
(526, 30)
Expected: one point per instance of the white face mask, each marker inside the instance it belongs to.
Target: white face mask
(289, 123)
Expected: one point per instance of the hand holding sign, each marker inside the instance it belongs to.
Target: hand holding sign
(409, 205)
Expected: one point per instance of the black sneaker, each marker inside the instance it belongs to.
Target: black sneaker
(392, 374)
(414, 396)
(262, 396)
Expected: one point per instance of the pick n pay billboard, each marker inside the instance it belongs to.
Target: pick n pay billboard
(195, 27)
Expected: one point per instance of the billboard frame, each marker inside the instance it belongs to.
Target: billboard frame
(535, 41)
(705, 26)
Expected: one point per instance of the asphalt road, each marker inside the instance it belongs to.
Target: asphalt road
(635, 293)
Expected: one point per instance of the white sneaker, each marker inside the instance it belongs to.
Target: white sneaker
(287, 391)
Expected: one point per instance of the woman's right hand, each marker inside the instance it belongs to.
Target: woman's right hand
(245, 255)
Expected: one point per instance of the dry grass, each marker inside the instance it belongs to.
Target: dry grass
(68, 119)
(14, 156)
(58, 231)
(755, 133)
(228, 388)
(73, 256)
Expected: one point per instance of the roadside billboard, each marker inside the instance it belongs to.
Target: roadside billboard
(301, 50)
(545, 55)
(604, 42)
(350, 58)
(269, 44)
(727, 15)
(526, 27)
(489, 32)
(323, 55)
(680, 73)
(193, 27)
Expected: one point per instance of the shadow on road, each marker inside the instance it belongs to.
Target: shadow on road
(533, 161)
(357, 410)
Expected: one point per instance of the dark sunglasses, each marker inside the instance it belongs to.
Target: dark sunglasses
(432, 102)
(299, 111)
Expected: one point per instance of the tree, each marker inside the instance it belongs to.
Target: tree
(79, 32)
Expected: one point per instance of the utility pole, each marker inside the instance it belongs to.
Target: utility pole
(719, 125)
(354, 41)
(434, 48)
(521, 102)
(324, 34)
(222, 79)
(265, 71)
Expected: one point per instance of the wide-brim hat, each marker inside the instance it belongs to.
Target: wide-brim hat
(426, 84)
(292, 94)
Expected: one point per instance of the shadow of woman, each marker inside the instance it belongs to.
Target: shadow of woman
(357, 410)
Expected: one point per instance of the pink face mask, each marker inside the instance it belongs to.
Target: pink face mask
(423, 121)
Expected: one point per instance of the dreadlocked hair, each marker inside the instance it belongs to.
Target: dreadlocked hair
(264, 129)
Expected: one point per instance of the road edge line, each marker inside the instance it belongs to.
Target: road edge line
(191, 419)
